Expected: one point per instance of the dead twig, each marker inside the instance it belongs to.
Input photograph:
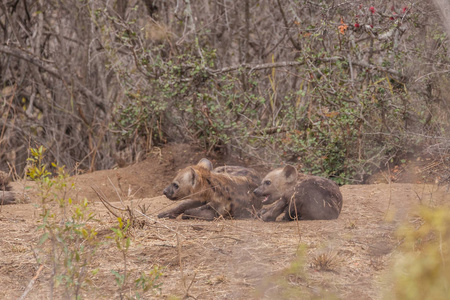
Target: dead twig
(165, 226)
(13, 94)
(31, 283)
(187, 295)
(105, 202)
(115, 189)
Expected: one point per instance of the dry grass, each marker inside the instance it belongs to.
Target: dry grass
(325, 261)
(229, 259)
(226, 259)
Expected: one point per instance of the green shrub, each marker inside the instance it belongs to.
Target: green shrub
(421, 270)
(68, 240)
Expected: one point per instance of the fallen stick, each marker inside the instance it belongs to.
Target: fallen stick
(30, 285)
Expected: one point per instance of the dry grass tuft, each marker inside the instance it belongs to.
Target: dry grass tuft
(376, 263)
(217, 280)
(326, 261)
(351, 224)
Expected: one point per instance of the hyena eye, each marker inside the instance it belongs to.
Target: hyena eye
(267, 182)
(175, 186)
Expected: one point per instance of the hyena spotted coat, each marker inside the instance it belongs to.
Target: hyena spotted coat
(298, 196)
(208, 193)
(6, 196)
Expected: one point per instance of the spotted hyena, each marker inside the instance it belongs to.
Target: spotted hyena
(6, 196)
(208, 193)
(298, 196)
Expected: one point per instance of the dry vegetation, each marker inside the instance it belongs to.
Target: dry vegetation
(338, 88)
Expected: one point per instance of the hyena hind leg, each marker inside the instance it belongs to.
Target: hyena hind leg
(180, 208)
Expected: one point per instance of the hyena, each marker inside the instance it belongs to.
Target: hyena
(209, 193)
(298, 196)
(6, 196)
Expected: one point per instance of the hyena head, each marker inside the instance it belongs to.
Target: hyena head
(186, 180)
(276, 183)
(4, 181)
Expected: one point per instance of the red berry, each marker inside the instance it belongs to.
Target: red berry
(372, 9)
(356, 25)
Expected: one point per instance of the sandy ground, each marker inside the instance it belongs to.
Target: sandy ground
(224, 259)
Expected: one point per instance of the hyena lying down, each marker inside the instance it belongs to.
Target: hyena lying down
(225, 191)
(6, 196)
(300, 197)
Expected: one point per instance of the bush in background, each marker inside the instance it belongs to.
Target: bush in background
(337, 88)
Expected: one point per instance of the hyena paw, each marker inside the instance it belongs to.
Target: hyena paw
(168, 215)
(264, 213)
(268, 217)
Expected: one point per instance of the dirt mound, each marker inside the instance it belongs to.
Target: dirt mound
(142, 180)
(423, 168)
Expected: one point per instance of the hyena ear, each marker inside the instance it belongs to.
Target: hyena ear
(194, 177)
(205, 163)
(290, 173)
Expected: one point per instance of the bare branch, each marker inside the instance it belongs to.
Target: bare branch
(22, 54)
(286, 25)
(252, 68)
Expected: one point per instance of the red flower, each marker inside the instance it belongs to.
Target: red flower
(371, 26)
(405, 9)
(372, 9)
(356, 25)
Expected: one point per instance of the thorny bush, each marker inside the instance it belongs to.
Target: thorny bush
(337, 88)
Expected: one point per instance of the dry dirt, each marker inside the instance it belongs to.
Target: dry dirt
(224, 259)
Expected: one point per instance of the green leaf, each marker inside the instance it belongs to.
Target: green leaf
(43, 238)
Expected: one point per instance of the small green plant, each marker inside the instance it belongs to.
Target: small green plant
(148, 281)
(68, 240)
(122, 242)
(145, 282)
(351, 224)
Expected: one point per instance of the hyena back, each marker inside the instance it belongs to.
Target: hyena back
(298, 196)
(208, 193)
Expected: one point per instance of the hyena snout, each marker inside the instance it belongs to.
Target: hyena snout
(263, 191)
(258, 191)
(168, 192)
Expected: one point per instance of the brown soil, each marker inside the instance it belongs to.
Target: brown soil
(225, 259)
